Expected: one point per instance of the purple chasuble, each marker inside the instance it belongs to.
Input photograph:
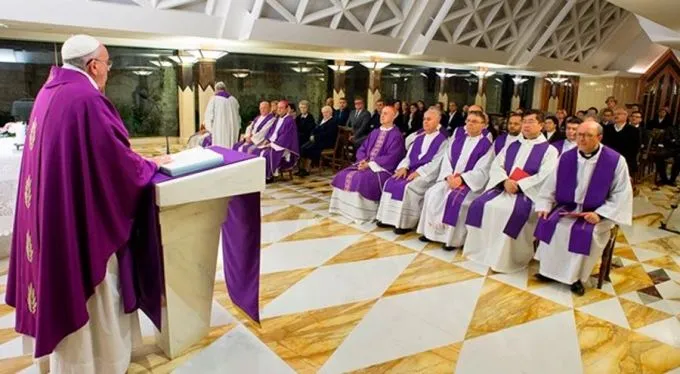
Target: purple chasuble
(454, 201)
(79, 191)
(223, 94)
(385, 148)
(287, 139)
(207, 141)
(500, 143)
(522, 208)
(397, 186)
(581, 235)
(240, 241)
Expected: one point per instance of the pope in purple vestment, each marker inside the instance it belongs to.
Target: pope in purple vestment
(80, 184)
(281, 148)
(358, 188)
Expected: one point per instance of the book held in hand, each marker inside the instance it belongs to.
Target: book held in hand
(518, 174)
(191, 161)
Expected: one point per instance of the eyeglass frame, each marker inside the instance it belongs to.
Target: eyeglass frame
(109, 63)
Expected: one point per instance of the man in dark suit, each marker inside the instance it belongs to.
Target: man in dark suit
(342, 114)
(623, 138)
(454, 118)
(550, 130)
(360, 122)
(375, 118)
(662, 121)
(324, 136)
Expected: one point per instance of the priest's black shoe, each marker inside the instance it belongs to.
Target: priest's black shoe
(578, 288)
(424, 239)
(302, 173)
(382, 225)
(448, 248)
(269, 181)
(401, 231)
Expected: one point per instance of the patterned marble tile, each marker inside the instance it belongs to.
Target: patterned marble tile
(669, 245)
(439, 360)
(501, 306)
(324, 229)
(665, 262)
(625, 252)
(15, 364)
(592, 295)
(639, 315)
(607, 348)
(367, 248)
(630, 278)
(288, 214)
(426, 272)
(306, 340)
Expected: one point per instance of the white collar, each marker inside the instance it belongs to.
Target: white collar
(79, 70)
(620, 128)
(539, 139)
(382, 128)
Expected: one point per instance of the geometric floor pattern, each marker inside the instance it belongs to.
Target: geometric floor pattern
(337, 297)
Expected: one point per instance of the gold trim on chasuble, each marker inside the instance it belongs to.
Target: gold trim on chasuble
(374, 152)
(31, 135)
(28, 195)
(31, 299)
(29, 247)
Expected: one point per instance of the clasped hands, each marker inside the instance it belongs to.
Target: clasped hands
(511, 186)
(590, 217)
(454, 181)
(403, 173)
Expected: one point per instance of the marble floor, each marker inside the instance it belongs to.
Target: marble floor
(338, 297)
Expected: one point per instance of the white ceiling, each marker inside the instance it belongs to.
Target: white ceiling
(579, 36)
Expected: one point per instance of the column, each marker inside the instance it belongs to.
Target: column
(186, 102)
(205, 88)
(373, 89)
(442, 95)
(480, 98)
(338, 84)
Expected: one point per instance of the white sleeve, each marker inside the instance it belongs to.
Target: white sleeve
(497, 172)
(546, 196)
(619, 205)
(531, 186)
(375, 167)
(433, 165)
(478, 177)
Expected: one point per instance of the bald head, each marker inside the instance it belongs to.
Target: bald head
(475, 108)
(387, 116)
(265, 108)
(431, 119)
(589, 136)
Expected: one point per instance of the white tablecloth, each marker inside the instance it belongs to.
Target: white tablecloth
(10, 162)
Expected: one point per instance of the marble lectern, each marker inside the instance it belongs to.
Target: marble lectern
(191, 212)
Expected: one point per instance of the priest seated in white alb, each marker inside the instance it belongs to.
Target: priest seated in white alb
(402, 197)
(257, 131)
(569, 142)
(578, 206)
(357, 189)
(514, 131)
(501, 221)
(462, 176)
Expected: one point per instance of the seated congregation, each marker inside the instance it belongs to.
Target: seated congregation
(532, 193)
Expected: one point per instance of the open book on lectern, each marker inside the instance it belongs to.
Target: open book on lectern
(191, 161)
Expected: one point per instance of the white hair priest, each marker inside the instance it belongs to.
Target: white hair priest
(222, 118)
(501, 221)
(462, 176)
(402, 197)
(578, 206)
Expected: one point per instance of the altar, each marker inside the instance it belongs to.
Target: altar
(10, 163)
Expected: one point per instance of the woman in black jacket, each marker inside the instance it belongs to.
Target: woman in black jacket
(305, 122)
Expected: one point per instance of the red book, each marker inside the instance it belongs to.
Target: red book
(518, 174)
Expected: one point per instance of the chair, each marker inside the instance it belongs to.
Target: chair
(607, 254)
(341, 155)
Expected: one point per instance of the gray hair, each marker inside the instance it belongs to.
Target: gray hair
(326, 108)
(220, 86)
(81, 62)
(304, 102)
(435, 110)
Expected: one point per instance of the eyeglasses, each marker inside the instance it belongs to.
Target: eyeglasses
(109, 63)
(530, 121)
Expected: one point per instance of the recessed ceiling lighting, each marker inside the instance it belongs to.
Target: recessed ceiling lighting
(3, 26)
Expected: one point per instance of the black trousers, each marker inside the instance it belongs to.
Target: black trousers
(660, 159)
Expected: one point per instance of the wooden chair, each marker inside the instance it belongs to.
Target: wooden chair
(341, 155)
(607, 254)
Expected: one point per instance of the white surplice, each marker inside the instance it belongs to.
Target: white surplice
(257, 137)
(223, 120)
(104, 345)
(567, 145)
(430, 224)
(508, 140)
(405, 214)
(556, 261)
(489, 245)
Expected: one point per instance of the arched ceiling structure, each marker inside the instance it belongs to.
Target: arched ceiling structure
(580, 36)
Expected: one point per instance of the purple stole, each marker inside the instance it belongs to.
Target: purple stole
(500, 143)
(454, 202)
(522, 208)
(559, 145)
(223, 94)
(267, 118)
(396, 187)
(581, 235)
(207, 141)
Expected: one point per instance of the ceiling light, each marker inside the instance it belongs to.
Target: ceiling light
(557, 79)
(424, 75)
(340, 68)
(443, 74)
(184, 60)
(519, 80)
(302, 69)
(206, 54)
(142, 73)
(161, 63)
(3, 26)
(374, 65)
(483, 73)
(241, 75)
